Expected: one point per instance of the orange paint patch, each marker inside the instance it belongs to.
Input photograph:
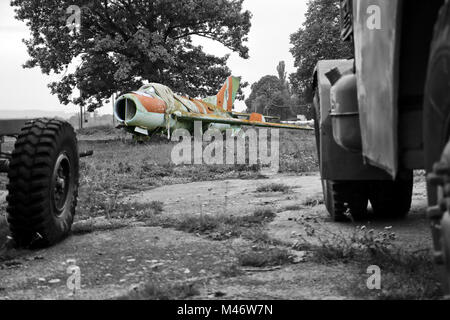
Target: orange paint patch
(230, 95)
(256, 117)
(153, 105)
(221, 97)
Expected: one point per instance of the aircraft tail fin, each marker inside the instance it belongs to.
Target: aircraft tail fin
(227, 94)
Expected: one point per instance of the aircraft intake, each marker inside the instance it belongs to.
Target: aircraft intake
(125, 110)
(130, 111)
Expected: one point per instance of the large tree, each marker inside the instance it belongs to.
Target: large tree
(318, 39)
(123, 43)
(266, 93)
(271, 95)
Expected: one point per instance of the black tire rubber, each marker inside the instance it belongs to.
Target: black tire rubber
(342, 198)
(437, 96)
(437, 128)
(346, 200)
(392, 199)
(37, 216)
(316, 129)
(445, 234)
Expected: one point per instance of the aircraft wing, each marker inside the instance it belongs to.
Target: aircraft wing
(248, 115)
(211, 118)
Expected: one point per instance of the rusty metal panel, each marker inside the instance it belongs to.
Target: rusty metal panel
(11, 127)
(336, 163)
(377, 38)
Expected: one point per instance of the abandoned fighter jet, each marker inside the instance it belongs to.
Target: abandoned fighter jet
(155, 108)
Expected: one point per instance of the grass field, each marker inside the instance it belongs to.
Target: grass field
(121, 166)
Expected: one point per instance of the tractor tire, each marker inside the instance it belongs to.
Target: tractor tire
(436, 139)
(392, 199)
(43, 183)
(346, 200)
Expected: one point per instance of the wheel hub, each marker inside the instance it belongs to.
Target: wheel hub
(61, 183)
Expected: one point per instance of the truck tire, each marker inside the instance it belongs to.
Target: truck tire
(43, 183)
(392, 199)
(341, 198)
(436, 138)
(345, 200)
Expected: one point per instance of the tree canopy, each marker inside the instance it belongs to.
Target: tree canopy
(271, 94)
(266, 93)
(124, 43)
(318, 39)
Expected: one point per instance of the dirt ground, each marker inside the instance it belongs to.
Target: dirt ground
(115, 262)
(147, 230)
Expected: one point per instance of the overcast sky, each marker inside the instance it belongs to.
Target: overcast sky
(272, 24)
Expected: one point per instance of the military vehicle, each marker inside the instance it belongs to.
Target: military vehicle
(43, 180)
(386, 113)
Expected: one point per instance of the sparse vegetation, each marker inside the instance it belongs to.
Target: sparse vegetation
(114, 208)
(274, 187)
(231, 271)
(262, 215)
(120, 168)
(259, 236)
(117, 214)
(264, 257)
(153, 291)
(217, 227)
(156, 207)
(91, 226)
(293, 208)
(313, 202)
(406, 274)
(361, 244)
(298, 152)
(100, 130)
